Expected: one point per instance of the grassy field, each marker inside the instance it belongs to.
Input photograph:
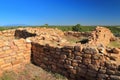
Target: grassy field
(115, 29)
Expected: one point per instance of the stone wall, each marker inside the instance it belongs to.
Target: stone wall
(101, 35)
(78, 63)
(14, 53)
(9, 34)
(77, 34)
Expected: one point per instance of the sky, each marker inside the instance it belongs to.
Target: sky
(59, 12)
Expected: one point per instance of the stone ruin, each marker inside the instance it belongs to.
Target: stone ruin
(102, 36)
(47, 48)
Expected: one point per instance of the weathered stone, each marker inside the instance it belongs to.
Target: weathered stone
(63, 56)
(91, 73)
(78, 58)
(110, 72)
(78, 48)
(74, 64)
(96, 57)
(102, 50)
(113, 77)
(95, 62)
(101, 35)
(102, 70)
(82, 71)
(77, 53)
(117, 73)
(93, 67)
(116, 50)
(83, 66)
(86, 55)
(68, 62)
(73, 71)
(89, 50)
(111, 66)
(86, 61)
(45, 48)
(68, 66)
(102, 76)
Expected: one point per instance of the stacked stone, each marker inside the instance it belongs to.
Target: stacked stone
(76, 62)
(7, 33)
(14, 54)
(77, 34)
(101, 35)
(37, 34)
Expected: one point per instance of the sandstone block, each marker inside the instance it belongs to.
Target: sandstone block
(68, 66)
(116, 50)
(110, 72)
(78, 48)
(114, 77)
(102, 76)
(7, 66)
(89, 50)
(63, 56)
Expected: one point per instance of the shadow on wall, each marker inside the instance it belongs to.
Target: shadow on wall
(83, 41)
(23, 34)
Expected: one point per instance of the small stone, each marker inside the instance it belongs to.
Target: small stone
(102, 76)
(93, 67)
(28, 40)
(114, 77)
(116, 50)
(74, 64)
(102, 70)
(78, 48)
(110, 72)
(86, 55)
(63, 56)
(86, 61)
(78, 58)
(68, 66)
(89, 50)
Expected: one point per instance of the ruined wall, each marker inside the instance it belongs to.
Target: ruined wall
(74, 62)
(101, 35)
(9, 34)
(77, 34)
(14, 53)
(78, 63)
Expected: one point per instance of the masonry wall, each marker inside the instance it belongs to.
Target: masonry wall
(77, 34)
(14, 53)
(75, 62)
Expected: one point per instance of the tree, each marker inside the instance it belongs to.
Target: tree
(76, 27)
(46, 25)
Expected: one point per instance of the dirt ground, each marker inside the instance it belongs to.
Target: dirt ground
(32, 72)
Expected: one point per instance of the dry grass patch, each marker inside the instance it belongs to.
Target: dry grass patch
(32, 72)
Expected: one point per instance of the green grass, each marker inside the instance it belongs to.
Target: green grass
(115, 29)
(114, 44)
(59, 77)
(8, 76)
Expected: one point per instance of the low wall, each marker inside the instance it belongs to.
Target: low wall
(75, 62)
(77, 34)
(14, 54)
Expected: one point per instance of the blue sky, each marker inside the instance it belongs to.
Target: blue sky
(60, 12)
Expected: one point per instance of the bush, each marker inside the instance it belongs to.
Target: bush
(76, 27)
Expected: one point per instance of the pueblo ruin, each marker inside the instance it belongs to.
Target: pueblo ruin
(89, 58)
